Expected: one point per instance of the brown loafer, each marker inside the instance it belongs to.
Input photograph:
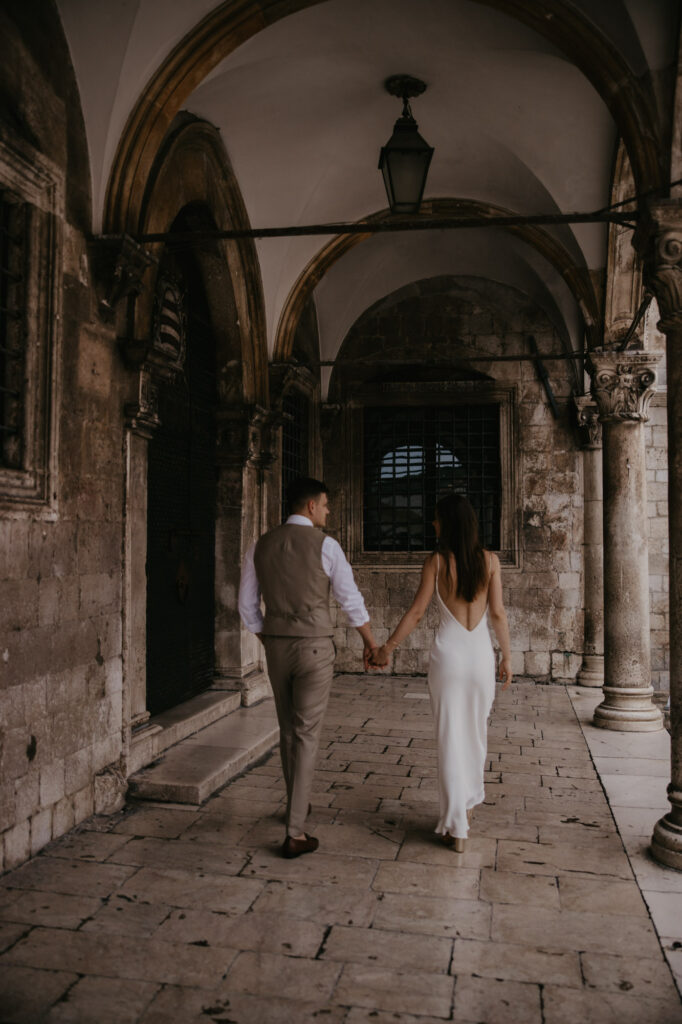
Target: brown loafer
(295, 847)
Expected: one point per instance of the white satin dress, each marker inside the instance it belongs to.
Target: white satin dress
(461, 683)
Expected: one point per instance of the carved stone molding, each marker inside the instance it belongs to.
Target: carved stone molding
(142, 416)
(118, 265)
(623, 384)
(589, 427)
(245, 437)
(660, 239)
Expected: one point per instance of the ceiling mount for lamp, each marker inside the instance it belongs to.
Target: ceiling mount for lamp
(404, 160)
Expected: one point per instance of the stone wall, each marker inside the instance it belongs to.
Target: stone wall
(446, 320)
(60, 559)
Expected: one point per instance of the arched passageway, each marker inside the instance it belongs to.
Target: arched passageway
(524, 364)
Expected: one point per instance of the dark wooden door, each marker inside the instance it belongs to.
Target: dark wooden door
(181, 514)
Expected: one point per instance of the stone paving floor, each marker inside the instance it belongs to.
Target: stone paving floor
(188, 914)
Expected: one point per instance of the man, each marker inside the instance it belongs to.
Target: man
(293, 568)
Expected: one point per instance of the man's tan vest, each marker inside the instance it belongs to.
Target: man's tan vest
(293, 583)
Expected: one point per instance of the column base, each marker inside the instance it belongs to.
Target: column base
(628, 709)
(591, 671)
(666, 842)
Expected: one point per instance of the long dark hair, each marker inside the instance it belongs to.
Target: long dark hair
(459, 537)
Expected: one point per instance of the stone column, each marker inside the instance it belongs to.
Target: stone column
(663, 270)
(622, 385)
(592, 669)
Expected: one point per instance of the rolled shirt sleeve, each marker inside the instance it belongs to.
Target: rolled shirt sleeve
(249, 595)
(344, 587)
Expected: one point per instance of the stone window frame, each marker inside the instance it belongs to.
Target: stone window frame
(442, 393)
(300, 380)
(38, 183)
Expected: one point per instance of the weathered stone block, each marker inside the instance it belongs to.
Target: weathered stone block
(51, 783)
(27, 795)
(17, 844)
(41, 830)
(537, 663)
(62, 816)
(83, 804)
(110, 788)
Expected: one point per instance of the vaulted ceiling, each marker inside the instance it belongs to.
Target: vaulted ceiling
(515, 119)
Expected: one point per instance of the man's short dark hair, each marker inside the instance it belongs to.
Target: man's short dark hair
(302, 490)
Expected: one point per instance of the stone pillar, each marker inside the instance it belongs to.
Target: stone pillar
(622, 385)
(592, 669)
(663, 270)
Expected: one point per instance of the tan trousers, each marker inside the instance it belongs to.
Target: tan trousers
(301, 670)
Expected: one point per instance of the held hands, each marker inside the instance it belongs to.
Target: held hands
(376, 657)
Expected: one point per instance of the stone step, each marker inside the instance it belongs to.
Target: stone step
(190, 771)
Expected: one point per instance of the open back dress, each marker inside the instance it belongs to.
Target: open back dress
(461, 683)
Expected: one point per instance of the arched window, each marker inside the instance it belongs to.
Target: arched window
(413, 455)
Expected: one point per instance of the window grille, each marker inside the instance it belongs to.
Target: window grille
(413, 455)
(294, 441)
(12, 328)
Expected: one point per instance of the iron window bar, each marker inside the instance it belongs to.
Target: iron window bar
(13, 250)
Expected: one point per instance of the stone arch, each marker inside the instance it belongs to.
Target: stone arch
(630, 100)
(576, 276)
(192, 171)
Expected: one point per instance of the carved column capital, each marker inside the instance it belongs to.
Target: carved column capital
(623, 384)
(245, 436)
(660, 239)
(589, 427)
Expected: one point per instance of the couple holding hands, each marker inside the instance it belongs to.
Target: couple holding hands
(293, 569)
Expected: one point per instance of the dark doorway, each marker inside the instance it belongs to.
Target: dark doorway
(181, 498)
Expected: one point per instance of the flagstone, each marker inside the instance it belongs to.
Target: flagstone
(28, 993)
(52, 909)
(323, 868)
(11, 933)
(325, 904)
(93, 846)
(591, 1006)
(601, 895)
(123, 916)
(426, 915)
(643, 977)
(192, 1006)
(259, 932)
(156, 821)
(497, 1002)
(600, 857)
(388, 949)
(72, 877)
(574, 930)
(427, 880)
(267, 974)
(103, 1000)
(356, 840)
(512, 962)
(114, 956)
(479, 852)
(510, 887)
(396, 991)
(197, 856)
(232, 895)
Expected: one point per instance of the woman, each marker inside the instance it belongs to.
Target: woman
(467, 583)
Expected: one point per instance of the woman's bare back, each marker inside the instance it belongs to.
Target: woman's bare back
(467, 613)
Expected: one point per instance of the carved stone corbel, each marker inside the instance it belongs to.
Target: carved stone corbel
(118, 265)
(244, 437)
(142, 416)
(623, 384)
(589, 427)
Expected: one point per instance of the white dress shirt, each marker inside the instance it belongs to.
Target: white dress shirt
(335, 566)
